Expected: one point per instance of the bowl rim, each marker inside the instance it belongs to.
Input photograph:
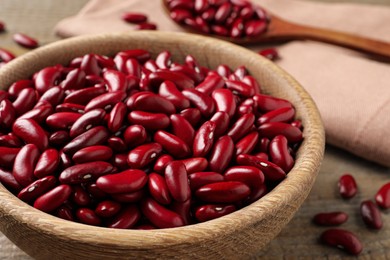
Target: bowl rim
(312, 147)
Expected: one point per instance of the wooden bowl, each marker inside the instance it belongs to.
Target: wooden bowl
(240, 234)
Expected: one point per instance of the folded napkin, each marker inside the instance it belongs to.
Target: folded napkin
(351, 90)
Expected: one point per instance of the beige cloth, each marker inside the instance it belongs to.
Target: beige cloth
(351, 91)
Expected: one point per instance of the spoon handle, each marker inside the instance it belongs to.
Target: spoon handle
(280, 29)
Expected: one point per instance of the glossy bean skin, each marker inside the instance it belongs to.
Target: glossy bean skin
(85, 172)
(8, 180)
(25, 161)
(204, 103)
(54, 96)
(47, 78)
(371, 215)
(241, 127)
(180, 80)
(158, 189)
(38, 113)
(160, 216)
(151, 121)
(247, 144)
(221, 120)
(105, 101)
(126, 218)
(249, 175)
(83, 96)
(5, 55)
(80, 196)
(25, 40)
(221, 154)
(30, 132)
(211, 83)
(116, 117)
(94, 136)
(93, 153)
(182, 129)
(86, 121)
(135, 135)
(25, 101)
(10, 140)
(7, 114)
(37, 188)
(128, 181)
(199, 179)
(90, 65)
(268, 103)
(212, 211)
(161, 163)
(330, 218)
(54, 198)
(271, 171)
(284, 114)
(59, 138)
(88, 216)
(177, 181)
(172, 144)
(62, 120)
(169, 91)
(150, 102)
(382, 197)
(115, 80)
(65, 212)
(272, 129)
(75, 79)
(107, 208)
(18, 86)
(144, 154)
(225, 101)
(47, 163)
(280, 154)
(203, 139)
(132, 197)
(217, 192)
(192, 115)
(347, 186)
(342, 239)
(195, 164)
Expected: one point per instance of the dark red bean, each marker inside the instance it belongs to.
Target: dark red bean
(135, 135)
(177, 181)
(241, 127)
(238, 28)
(271, 171)
(59, 138)
(133, 68)
(211, 83)
(269, 53)
(272, 129)
(85, 172)
(209, 14)
(160, 217)
(223, 12)
(180, 80)
(7, 114)
(107, 208)
(204, 139)
(88, 216)
(255, 27)
(143, 155)
(146, 26)
(280, 154)
(83, 96)
(124, 182)
(195, 164)
(10, 140)
(221, 154)
(194, 74)
(94, 136)
(65, 212)
(7, 156)
(54, 96)
(80, 196)
(169, 91)
(201, 5)
(284, 114)
(18, 86)
(62, 120)
(199, 179)
(47, 78)
(268, 103)
(38, 113)
(93, 153)
(158, 189)
(221, 120)
(150, 102)
(132, 197)
(70, 107)
(47, 163)
(330, 218)
(126, 218)
(347, 186)
(75, 79)
(87, 121)
(371, 215)
(251, 176)
(183, 209)
(179, 15)
(182, 129)
(223, 192)
(90, 65)
(132, 17)
(105, 101)
(25, 40)
(5, 55)
(172, 144)
(204, 103)
(25, 161)
(212, 211)
(9, 181)
(116, 117)
(161, 163)
(25, 101)
(30, 132)
(382, 197)
(151, 121)
(192, 115)
(247, 144)
(115, 80)
(163, 60)
(54, 198)
(225, 101)
(343, 239)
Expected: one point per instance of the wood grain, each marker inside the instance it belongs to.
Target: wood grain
(298, 240)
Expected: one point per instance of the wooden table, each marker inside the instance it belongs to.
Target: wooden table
(298, 240)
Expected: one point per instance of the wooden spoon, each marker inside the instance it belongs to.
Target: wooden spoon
(281, 30)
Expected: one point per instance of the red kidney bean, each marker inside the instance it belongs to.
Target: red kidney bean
(204, 103)
(126, 218)
(284, 114)
(257, 194)
(62, 120)
(47, 164)
(172, 144)
(37, 188)
(272, 129)
(211, 83)
(240, 88)
(116, 117)
(87, 121)
(169, 91)
(31, 132)
(204, 139)
(241, 127)
(53, 95)
(163, 60)
(132, 197)
(221, 154)
(177, 181)
(247, 144)
(269, 53)
(107, 208)
(255, 27)
(144, 154)
(80, 196)
(18, 86)
(124, 182)
(59, 138)
(264, 144)
(88, 216)
(280, 154)
(132, 67)
(209, 14)
(161, 163)
(83, 96)
(117, 144)
(158, 189)
(179, 15)
(160, 216)
(85, 172)
(47, 78)
(237, 28)
(182, 129)
(249, 175)
(5, 55)
(271, 171)
(196, 76)
(115, 80)
(268, 103)
(94, 136)
(195, 164)
(65, 212)
(382, 197)
(213, 211)
(105, 101)
(218, 29)
(93, 153)
(69, 107)
(8, 180)
(330, 218)
(75, 79)
(65, 160)
(223, 12)
(371, 215)
(138, 54)
(221, 120)
(342, 239)
(223, 192)
(132, 17)
(54, 198)
(7, 114)
(150, 66)
(199, 179)
(119, 161)
(150, 102)
(146, 26)
(181, 81)
(183, 209)
(89, 65)
(151, 121)
(10, 140)
(225, 101)
(95, 192)
(347, 186)
(251, 81)
(25, 40)
(25, 101)
(135, 135)
(192, 115)
(201, 5)
(38, 113)
(7, 156)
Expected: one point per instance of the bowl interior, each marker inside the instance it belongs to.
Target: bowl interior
(261, 220)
